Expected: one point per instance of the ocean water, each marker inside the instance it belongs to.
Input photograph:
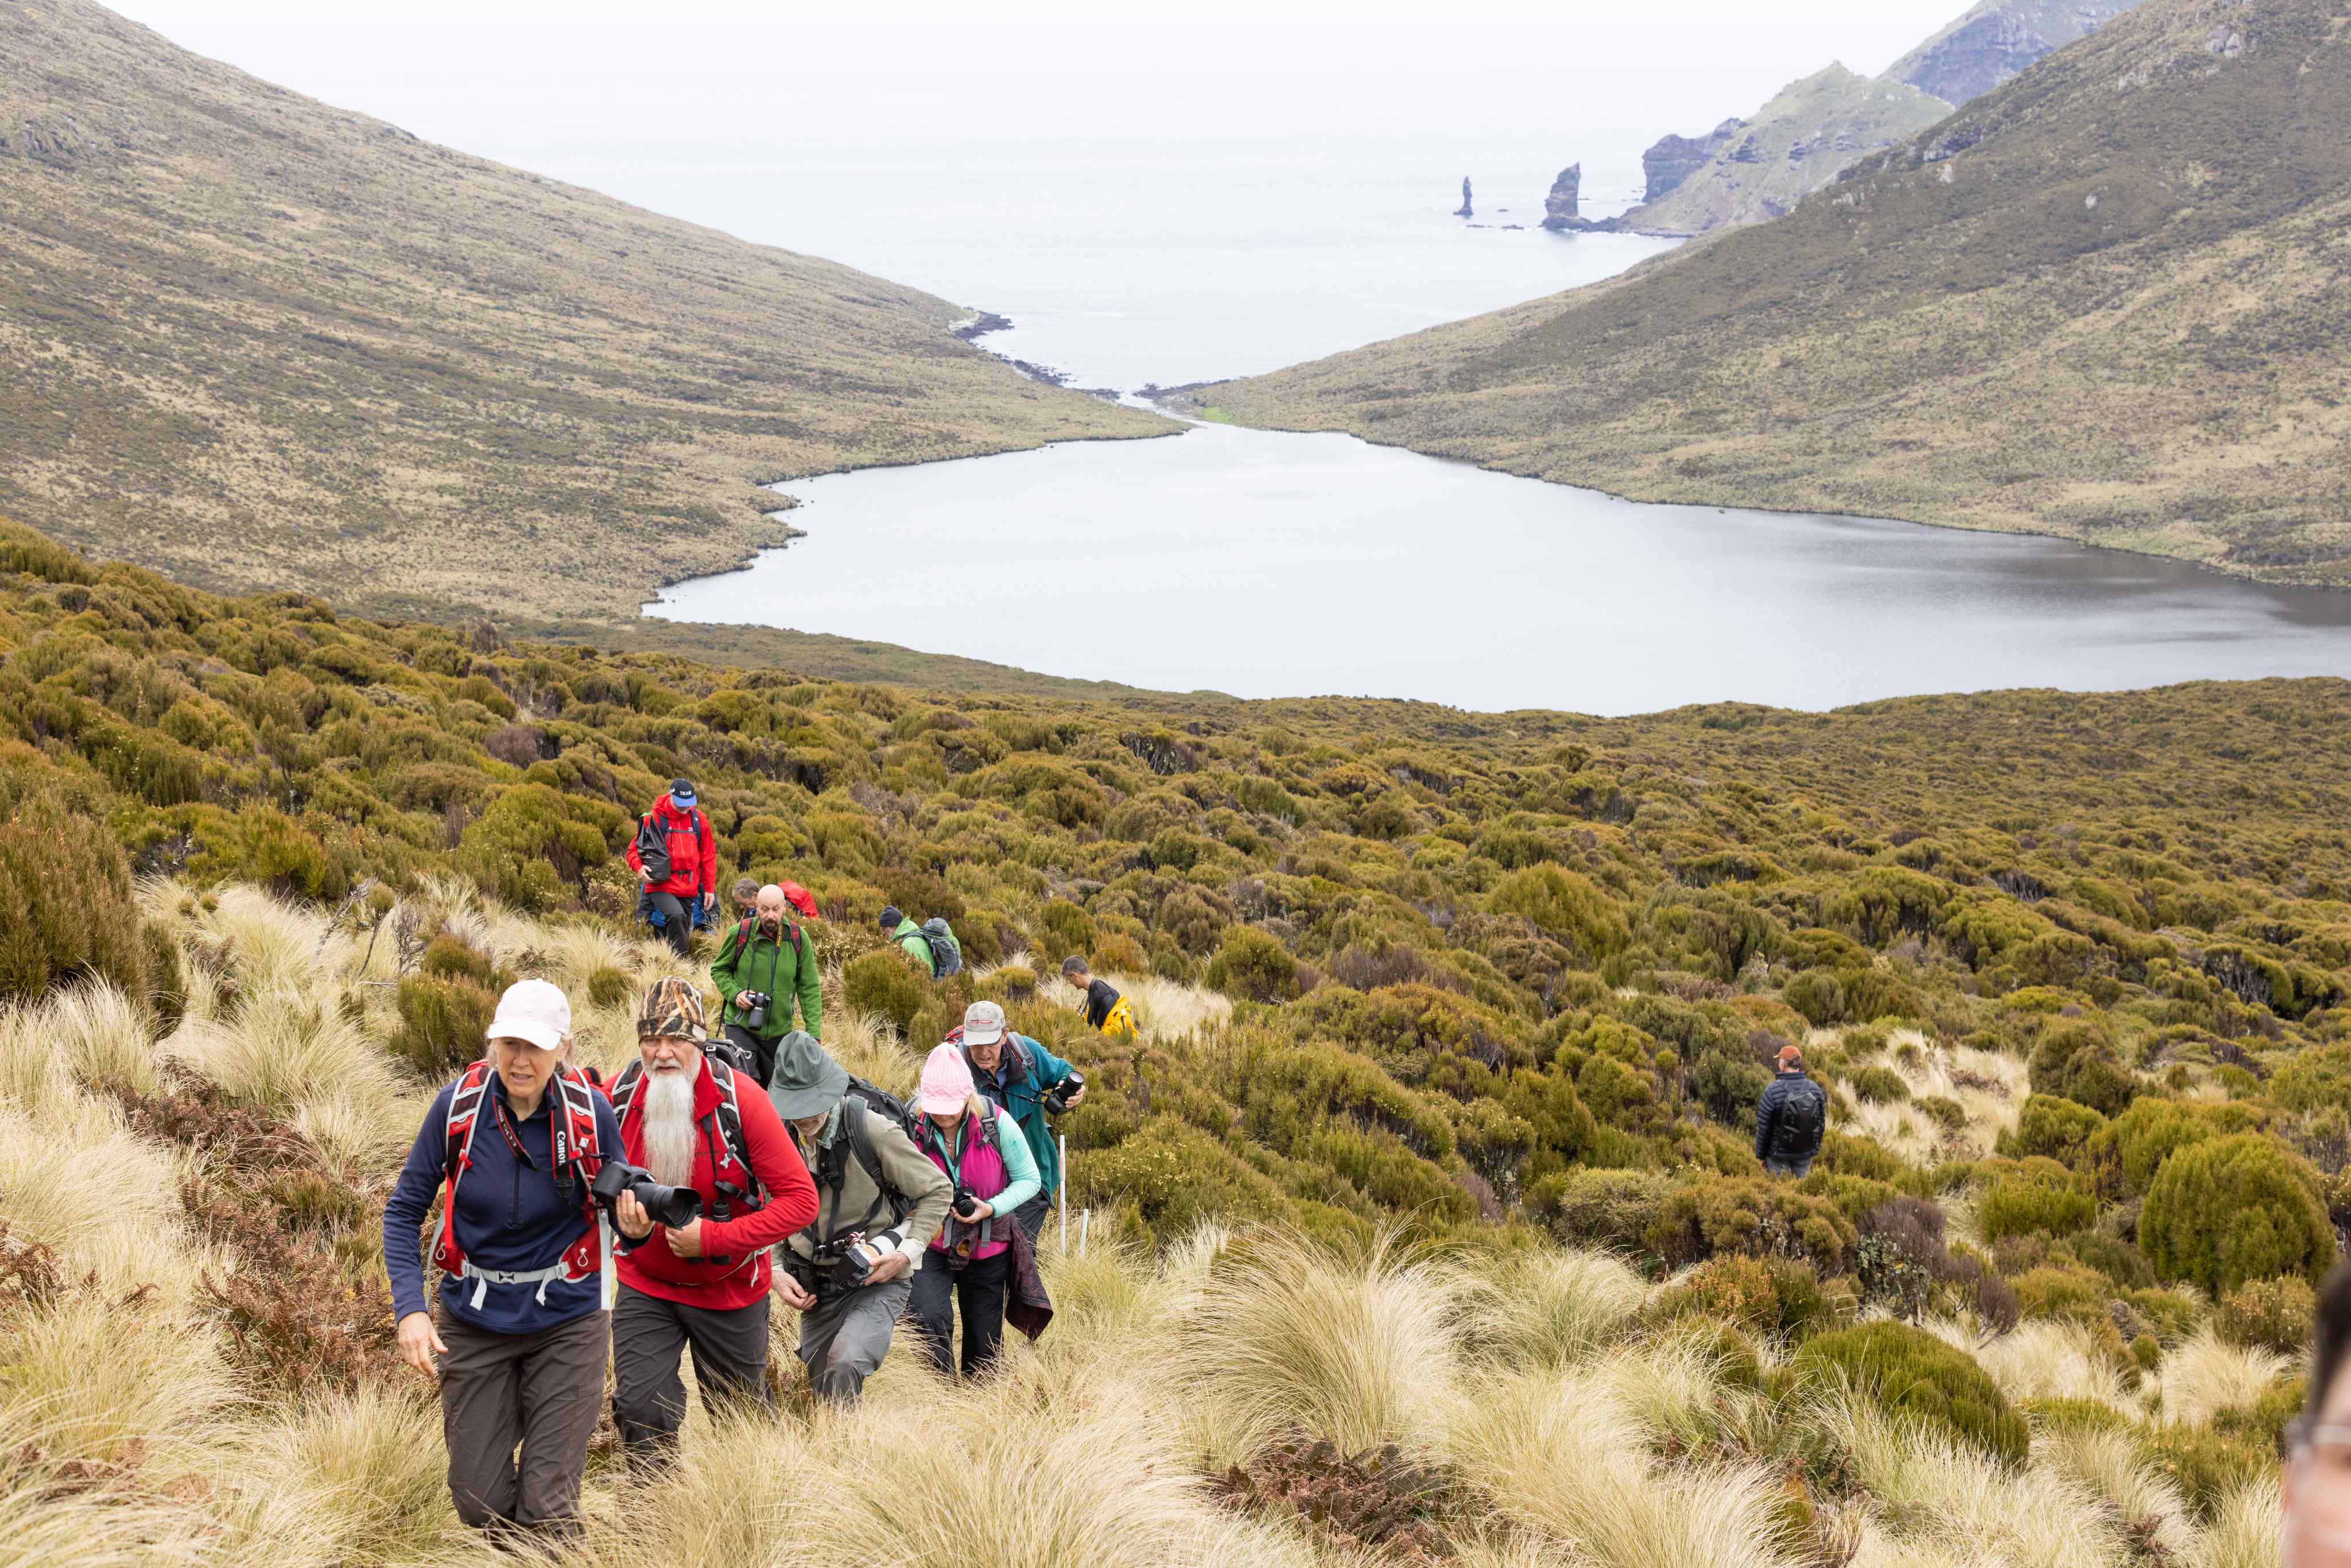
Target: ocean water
(1163, 202)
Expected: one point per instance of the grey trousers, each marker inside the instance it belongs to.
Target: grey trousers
(1030, 1216)
(650, 1335)
(677, 929)
(844, 1338)
(542, 1391)
(1798, 1168)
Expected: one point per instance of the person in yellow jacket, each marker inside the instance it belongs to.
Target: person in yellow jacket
(1105, 1009)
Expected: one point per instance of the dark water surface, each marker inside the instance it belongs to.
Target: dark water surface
(1265, 564)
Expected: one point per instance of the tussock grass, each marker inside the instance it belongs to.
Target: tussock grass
(286, 1047)
(866, 1045)
(1547, 1308)
(2108, 1463)
(2044, 1359)
(99, 1034)
(1939, 1493)
(2248, 1530)
(75, 1179)
(1165, 1011)
(2205, 1374)
(103, 1381)
(1288, 1336)
(1564, 1455)
(366, 1471)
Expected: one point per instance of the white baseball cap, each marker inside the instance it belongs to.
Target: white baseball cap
(983, 1024)
(535, 1011)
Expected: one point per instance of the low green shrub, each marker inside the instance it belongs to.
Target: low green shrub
(2055, 1129)
(1253, 965)
(611, 987)
(443, 1023)
(2208, 1465)
(1879, 1086)
(1774, 1297)
(2025, 1202)
(1615, 1209)
(2274, 1314)
(65, 887)
(1913, 1375)
(1750, 1215)
(884, 983)
(2232, 1210)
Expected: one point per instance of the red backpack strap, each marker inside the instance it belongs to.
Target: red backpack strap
(465, 1115)
(625, 1087)
(730, 1125)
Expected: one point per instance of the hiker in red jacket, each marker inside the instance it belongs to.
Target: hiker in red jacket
(675, 856)
(691, 1122)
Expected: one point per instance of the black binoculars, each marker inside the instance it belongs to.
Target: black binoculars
(670, 1205)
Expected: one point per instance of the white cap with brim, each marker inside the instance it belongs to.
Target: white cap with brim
(983, 1023)
(533, 1011)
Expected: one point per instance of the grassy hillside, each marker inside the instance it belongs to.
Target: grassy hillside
(1434, 1132)
(2100, 302)
(264, 344)
(1791, 147)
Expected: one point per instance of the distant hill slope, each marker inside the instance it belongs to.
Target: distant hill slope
(1996, 40)
(2106, 302)
(1816, 128)
(1795, 145)
(265, 343)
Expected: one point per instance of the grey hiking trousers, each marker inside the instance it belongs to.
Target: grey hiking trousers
(542, 1391)
(844, 1338)
(650, 1336)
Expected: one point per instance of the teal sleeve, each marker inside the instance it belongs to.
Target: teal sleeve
(1018, 1163)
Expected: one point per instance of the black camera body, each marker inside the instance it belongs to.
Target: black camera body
(671, 1206)
(755, 1005)
(1057, 1099)
(843, 1263)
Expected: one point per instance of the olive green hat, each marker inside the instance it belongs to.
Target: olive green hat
(806, 1080)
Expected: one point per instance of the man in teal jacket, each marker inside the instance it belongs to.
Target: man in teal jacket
(1017, 1072)
(770, 955)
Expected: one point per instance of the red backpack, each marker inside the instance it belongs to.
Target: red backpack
(577, 1160)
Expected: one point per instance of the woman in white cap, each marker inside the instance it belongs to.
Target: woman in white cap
(522, 1333)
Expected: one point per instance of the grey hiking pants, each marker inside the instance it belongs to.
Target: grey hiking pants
(542, 1391)
(649, 1339)
(844, 1338)
(678, 924)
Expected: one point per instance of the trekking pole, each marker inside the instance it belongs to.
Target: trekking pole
(1060, 1193)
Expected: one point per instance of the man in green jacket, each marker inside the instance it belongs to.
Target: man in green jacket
(769, 955)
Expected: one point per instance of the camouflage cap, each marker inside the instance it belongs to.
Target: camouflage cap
(672, 1008)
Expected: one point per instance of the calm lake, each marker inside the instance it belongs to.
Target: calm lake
(1264, 564)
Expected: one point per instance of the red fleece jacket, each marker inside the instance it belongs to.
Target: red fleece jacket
(651, 1267)
(693, 854)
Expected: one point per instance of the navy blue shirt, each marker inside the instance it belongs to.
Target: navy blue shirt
(509, 1217)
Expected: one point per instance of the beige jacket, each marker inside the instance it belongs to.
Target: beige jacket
(848, 1206)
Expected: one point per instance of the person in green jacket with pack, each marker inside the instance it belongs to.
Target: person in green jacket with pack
(767, 955)
(901, 928)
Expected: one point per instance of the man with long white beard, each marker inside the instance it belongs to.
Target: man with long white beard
(692, 1122)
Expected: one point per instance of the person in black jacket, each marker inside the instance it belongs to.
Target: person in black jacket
(1789, 1123)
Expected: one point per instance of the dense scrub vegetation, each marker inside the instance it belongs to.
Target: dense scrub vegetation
(2072, 969)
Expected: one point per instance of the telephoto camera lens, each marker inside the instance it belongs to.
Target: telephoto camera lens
(671, 1206)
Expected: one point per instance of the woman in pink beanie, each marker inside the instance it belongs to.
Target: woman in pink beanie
(983, 1152)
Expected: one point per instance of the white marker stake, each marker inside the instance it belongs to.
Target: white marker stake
(1060, 1192)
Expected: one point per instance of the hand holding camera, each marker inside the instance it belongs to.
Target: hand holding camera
(1066, 1094)
(753, 1005)
(652, 1203)
(971, 1210)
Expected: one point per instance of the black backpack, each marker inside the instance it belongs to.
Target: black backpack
(857, 1143)
(1806, 1116)
(652, 843)
(947, 953)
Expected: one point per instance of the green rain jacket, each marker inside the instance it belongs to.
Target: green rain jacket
(749, 961)
(910, 936)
